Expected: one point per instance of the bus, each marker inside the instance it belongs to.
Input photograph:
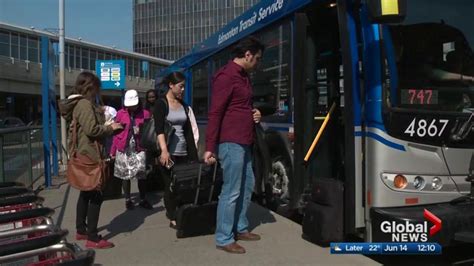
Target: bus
(386, 83)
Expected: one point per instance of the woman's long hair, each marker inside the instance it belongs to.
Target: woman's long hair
(173, 78)
(87, 85)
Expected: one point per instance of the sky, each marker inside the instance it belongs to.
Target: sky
(106, 22)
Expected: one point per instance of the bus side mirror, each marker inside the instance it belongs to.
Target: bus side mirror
(387, 11)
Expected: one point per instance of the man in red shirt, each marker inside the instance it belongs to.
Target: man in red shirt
(230, 133)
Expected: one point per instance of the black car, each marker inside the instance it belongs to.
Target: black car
(12, 138)
(11, 121)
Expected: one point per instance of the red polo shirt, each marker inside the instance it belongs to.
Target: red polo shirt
(230, 114)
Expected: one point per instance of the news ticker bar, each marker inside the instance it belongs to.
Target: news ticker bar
(389, 248)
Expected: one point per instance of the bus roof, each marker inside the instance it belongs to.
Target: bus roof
(257, 17)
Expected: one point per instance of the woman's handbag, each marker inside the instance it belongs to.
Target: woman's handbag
(148, 135)
(83, 173)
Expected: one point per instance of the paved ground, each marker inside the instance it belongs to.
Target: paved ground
(143, 237)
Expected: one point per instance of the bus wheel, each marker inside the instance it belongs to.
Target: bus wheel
(278, 194)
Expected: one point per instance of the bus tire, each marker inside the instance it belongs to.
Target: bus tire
(277, 187)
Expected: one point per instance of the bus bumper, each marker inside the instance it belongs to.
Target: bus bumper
(457, 223)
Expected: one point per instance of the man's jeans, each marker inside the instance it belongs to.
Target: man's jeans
(239, 180)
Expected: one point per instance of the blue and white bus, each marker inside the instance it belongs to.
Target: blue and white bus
(400, 75)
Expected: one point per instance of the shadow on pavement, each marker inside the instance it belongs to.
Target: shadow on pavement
(258, 215)
(130, 220)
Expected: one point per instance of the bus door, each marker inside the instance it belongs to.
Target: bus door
(322, 88)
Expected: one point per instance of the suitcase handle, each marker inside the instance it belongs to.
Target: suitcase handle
(213, 182)
(198, 187)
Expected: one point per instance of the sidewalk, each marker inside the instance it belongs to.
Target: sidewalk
(143, 237)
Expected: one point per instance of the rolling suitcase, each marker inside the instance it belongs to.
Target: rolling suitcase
(185, 180)
(196, 219)
(323, 216)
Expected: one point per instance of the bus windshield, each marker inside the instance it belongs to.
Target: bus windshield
(430, 57)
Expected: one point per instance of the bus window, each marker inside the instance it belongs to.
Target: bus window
(430, 71)
(272, 80)
(220, 59)
(434, 58)
(200, 89)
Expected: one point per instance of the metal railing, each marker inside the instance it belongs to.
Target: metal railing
(21, 154)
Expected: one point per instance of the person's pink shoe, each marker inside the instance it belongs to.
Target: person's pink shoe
(101, 244)
(81, 236)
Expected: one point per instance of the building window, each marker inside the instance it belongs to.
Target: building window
(144, 74)
(71, 56)
(92, 58)
(66, 56)
(153, 69)
(136, 71)
(4, 43)
(85, 59)
(33, 54)
(14, 45)
(129, 63)
(78, 58)
(23, 48)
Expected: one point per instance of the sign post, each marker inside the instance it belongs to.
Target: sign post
(62, 84)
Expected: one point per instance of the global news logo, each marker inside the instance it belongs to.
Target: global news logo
(412, 232)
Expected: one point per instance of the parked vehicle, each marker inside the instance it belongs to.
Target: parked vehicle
(9, 122)
(12, 138)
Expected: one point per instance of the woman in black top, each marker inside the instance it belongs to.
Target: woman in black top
(181, 147)
(150, 99)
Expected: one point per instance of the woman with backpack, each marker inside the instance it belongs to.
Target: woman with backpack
(181, 147)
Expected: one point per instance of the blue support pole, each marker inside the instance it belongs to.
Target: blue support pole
(53, 109)
(54, 138)
(45, 105)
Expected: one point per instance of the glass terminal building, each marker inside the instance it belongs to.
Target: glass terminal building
(170, 28)
(21, 76)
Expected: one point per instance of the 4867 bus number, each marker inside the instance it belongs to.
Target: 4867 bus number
(422, 127)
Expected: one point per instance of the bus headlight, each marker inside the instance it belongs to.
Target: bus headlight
(419, 182)
(400, 182)
(436, 183)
